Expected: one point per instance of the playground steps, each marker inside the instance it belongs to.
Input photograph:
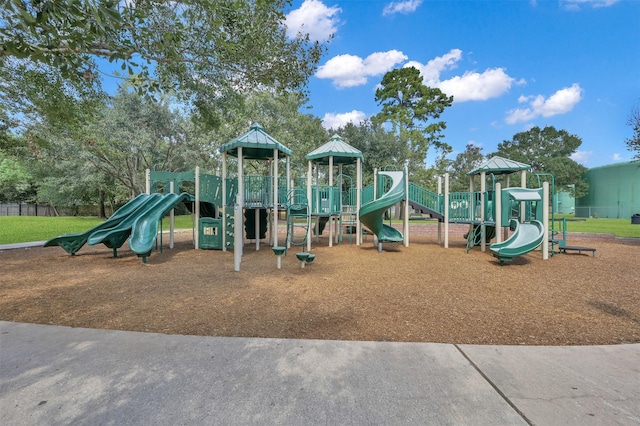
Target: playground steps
(579, 249)
(426, 210)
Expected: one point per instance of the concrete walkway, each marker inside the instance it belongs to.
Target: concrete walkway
(58, 375)
(21, 245)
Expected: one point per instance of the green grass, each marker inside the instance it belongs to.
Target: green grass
(618, 227)
(621, 228)
(22, 229)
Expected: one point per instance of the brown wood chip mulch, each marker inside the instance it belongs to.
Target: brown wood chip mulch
(422, 293)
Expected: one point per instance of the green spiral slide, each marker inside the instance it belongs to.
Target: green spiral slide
(372, 213)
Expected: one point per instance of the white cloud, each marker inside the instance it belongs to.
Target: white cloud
(431, 71)
(350, 70)
(313, 18)
(577, 4)
(333, 121)
(560, 102)
(474, 86)
(405, 7)
(470, 86)
(581, 157)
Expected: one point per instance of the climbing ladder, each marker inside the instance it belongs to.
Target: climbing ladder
(474, 235)
(298, 217)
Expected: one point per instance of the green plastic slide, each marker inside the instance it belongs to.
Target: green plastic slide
(145, 227)
(372, 213)
(526, 237)
(71, 243)
(115, 237)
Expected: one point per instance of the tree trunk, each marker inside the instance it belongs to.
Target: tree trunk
(103, 213)
(400, 210)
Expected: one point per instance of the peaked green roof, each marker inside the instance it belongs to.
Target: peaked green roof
(499, 166)
(256, 145)
(342, 152)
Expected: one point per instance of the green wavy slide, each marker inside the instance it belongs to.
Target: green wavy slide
(372, 213)
(71, 243)
(115, 237)
(525, 238)
(145, 228)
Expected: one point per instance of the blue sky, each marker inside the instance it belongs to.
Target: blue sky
(510, 65)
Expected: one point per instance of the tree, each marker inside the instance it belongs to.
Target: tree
(280, 116)
(458, 168)
(633, 143)
(409, 106)
(135, 134)
(205, 50)
(34, 93)
(548, 151)
(16, 184)
(379, 147)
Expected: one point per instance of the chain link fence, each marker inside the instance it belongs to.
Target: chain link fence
(23, 209)
(607, 212)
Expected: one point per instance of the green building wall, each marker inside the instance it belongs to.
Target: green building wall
(564, 203)
(614, 192)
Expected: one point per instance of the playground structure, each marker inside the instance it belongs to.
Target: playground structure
(321, 199)
(334, 204)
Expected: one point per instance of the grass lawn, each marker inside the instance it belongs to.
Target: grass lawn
(621, 228)
(617, 227)
(20, 229)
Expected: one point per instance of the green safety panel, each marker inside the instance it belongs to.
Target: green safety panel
(210, 233)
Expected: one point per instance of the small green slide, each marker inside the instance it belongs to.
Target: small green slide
(372, 213)
(526, 237)
(115, 237)
(145, 227)
(71, 243)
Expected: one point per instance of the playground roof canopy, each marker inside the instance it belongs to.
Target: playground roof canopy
(256, 145)
(342, 152)
(499, 166)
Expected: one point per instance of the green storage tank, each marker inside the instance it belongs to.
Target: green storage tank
(564, 203)
(614, 192)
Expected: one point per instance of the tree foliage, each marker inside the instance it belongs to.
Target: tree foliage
(633, 143)
(34, 93)
(548, 150)
(463, 163)
(135, 134)
(201, 49)
(280, 116)
(16, 183)
(410, 107)
(379, 147)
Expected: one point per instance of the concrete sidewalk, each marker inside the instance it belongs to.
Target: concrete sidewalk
(21, 245)
(61, 375)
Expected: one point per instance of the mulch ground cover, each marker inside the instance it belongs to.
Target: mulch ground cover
(420, 293)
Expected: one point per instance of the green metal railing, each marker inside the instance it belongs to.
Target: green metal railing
(462, 206)
(426, 198)
(257, 191)
(325, 199)
(367, 194)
